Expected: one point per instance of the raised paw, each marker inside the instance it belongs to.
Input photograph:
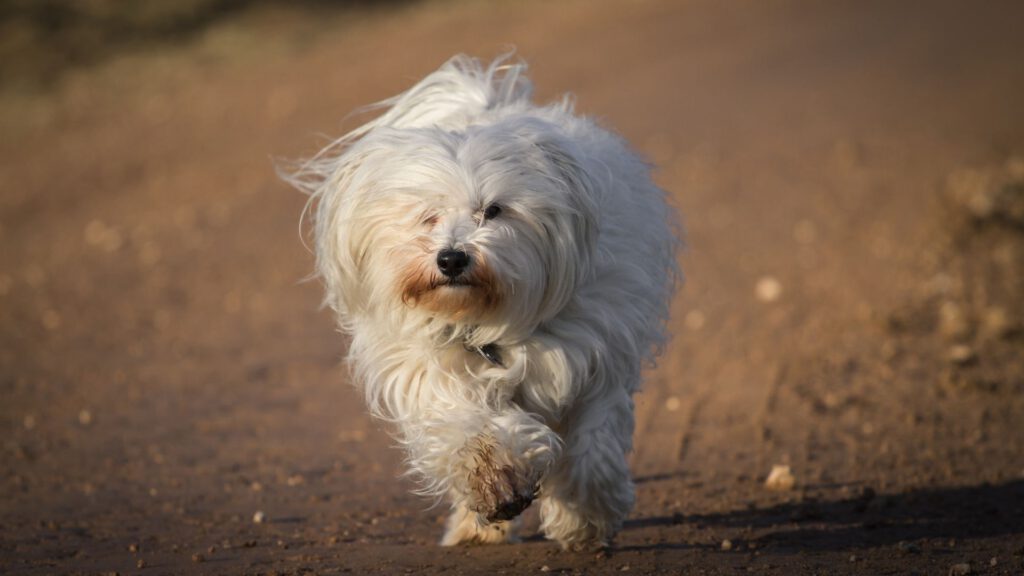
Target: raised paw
(498, 488)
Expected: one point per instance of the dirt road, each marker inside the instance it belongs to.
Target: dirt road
(851, 178)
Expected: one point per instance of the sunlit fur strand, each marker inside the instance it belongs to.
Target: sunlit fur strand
(583, 257)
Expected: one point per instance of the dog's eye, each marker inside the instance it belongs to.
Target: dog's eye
(492, 211)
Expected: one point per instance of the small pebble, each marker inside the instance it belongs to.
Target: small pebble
(545, 568)
(768, 289)
(85, 417)
(197, 558)
(780, 478)
(259, 517)
(993, 562)
(672, 403)
(29, 422)
(962, 569)
(726, 545)
(141, 563)
(961, 354)
(853, 558)
(996, 323)
(133, 547)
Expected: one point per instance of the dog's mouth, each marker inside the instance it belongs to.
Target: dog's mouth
(457, 282)
(473, 293)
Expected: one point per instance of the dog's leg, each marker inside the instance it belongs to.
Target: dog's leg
(466, 526)
(589, 492)
(489, 464)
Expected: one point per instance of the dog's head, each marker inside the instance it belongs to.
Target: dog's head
(490, 225)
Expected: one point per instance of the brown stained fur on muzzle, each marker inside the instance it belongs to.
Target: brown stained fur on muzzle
(480, 296)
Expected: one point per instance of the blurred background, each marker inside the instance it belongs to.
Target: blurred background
(850, 176)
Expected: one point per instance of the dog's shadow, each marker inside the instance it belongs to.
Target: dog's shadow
(866, 521)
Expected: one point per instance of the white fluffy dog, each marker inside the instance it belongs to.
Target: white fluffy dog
(504, 270)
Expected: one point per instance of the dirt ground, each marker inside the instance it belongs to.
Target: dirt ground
(851, 177)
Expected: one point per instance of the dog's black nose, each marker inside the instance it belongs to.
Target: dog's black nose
(452, 262)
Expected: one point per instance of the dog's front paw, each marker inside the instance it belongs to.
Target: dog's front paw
(498, 488)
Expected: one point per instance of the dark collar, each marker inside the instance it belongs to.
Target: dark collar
(490, 352)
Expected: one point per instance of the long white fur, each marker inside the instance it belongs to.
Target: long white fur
(583, 260)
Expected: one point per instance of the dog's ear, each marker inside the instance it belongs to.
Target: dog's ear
(333, 179)
(564, 156)
(338, 258)
(565, 163)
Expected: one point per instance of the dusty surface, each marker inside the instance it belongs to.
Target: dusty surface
(853, 306)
